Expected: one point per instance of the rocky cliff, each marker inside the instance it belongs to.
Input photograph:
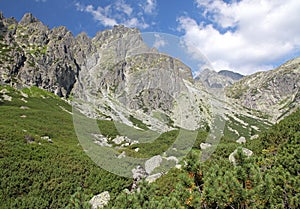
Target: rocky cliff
(115, 74)
(35, 55)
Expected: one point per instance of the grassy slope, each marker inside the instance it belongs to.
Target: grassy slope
(45, 175)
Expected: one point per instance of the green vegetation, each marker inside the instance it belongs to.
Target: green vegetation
(269, 179)
(138, 123)
(37, 173)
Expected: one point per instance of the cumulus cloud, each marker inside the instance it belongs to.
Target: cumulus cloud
(244, 36)
(116, 13)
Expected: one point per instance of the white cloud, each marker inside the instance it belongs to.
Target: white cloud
(256, 33)
(123, 7)
(134, 22)
(116, 13)
(159, 41)
(150, 6)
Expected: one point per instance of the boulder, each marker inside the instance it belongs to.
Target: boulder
(241, 140)
(153, 177)
(153, 163)
(100, 200)
(254, 136)
(205, 145)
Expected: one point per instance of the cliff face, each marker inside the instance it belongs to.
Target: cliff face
(38, 56)
(115, 69)
(124, 77)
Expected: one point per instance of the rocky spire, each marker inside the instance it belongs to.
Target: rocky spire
(28, 18)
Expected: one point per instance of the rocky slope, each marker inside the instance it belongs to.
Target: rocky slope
(274, 93)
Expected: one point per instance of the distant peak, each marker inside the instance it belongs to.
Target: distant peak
(230, 74)
(28, 18)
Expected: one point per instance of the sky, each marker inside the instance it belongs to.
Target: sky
(244, 36)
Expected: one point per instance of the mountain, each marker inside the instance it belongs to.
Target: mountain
(112, 63)
(274, 93)
(230, 74)
(74, 108)
(119, 71)
(221, 79)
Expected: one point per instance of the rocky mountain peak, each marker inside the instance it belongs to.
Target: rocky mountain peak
(28, 18)
(230, 74)
(213, 79)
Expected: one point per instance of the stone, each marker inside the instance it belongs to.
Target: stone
(254, 136)
(24, 108)
(178, 166)
(172, 158)
(245, 151)
(205, 145)
(241, 140)
(45, 137)
(138, 173)
(153, 163)
(152, 178)
(7, 98)
(100, 200)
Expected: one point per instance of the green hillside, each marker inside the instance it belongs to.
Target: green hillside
(35, 173)
(42, 164)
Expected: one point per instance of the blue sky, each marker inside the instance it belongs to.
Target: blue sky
(244, 36)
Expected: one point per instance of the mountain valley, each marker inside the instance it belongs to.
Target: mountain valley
(81, 116)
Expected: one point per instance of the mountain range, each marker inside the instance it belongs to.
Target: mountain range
(51, 81)
(122, 76)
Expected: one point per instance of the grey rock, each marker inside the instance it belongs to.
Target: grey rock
(205, 145)
(153, 163)
(24, 108)
(241, 140)
(152, 178)
(213, 79)
(254, 136)
(100, 200)
(138, 173)
(230, 74)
